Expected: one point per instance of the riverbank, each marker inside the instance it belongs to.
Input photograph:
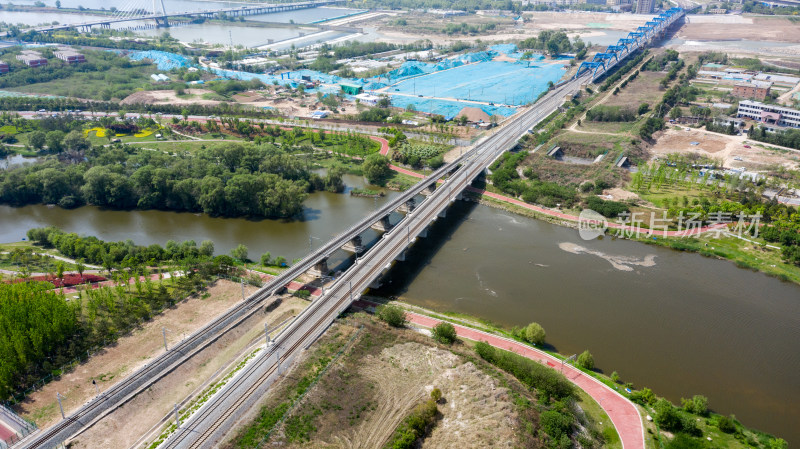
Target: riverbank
(708, 423)
(712, 242)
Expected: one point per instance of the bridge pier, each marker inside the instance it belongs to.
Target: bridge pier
(429, 190)
(382, 225)
(402, 256)
(408, 206)
(320, 269)
(162, 22)
(355, 245)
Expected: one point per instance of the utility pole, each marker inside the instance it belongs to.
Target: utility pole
(60, 406)
(242, 289)
(177, 418)
(266, 332)
(96, 388)
(164, 333)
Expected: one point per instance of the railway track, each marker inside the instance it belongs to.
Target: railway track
(208, 424)
(168, 361)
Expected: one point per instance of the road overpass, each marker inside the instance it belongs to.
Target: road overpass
(162, 17)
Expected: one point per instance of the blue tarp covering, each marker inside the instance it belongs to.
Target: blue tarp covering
(448, 108)
(511, 83)
(162, 59)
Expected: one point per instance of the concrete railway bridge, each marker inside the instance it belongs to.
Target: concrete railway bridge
(416, 208)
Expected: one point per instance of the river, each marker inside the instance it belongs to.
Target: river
(685, 325)
(676, 322)
(209, 32)
(324, 215)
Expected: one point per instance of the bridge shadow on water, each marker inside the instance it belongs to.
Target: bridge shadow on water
(397, 280)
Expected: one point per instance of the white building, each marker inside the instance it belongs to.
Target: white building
(769, 114)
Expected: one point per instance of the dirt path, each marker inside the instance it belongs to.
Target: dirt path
(622, 412)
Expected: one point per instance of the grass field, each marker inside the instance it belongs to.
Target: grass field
(96, 85)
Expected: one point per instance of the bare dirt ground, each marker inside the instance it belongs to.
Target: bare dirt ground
(580, 20)
(129, 353)
(290, 107)
(740, 27)
(144, 413)
(195, 96)
(723, 148)
(618, 194)
(381, 377)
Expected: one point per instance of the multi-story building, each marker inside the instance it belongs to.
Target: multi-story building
(757, 90)
(644, 6)
(32, 58)
(69, 55)
(4, 67)
(769, 114)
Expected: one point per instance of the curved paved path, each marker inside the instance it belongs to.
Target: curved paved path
(624, 415)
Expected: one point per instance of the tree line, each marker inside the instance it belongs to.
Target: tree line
(233, 180)
(554, 43)
(41, 332)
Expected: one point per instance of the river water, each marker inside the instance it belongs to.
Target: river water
(325, 214)
(676, 322)
(213, 33)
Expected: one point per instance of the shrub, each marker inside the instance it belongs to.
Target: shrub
(698, 405)
(667, 416)
(415, 426)
(726, 424)
(436, 394)
(645, 396)
(548, 382)
(555, 424)
(392, 315)
(444, 333)
(303, 294)
(534, 333)
(585, 360)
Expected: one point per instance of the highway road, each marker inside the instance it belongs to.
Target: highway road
(207, 426)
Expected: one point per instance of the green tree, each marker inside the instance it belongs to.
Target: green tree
(206, 248)
(585, 360)
(534, 333)
(38, 139)
(80, 267)
(240, 252)
(376, 168)
(436, 394)
(444, 333)
(54, 139)
(675, 113)
(266, 258)
(392, 315)
(615, 377)
(74, 141)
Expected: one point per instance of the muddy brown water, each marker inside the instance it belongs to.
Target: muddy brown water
(679, 323)
(676, 322)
